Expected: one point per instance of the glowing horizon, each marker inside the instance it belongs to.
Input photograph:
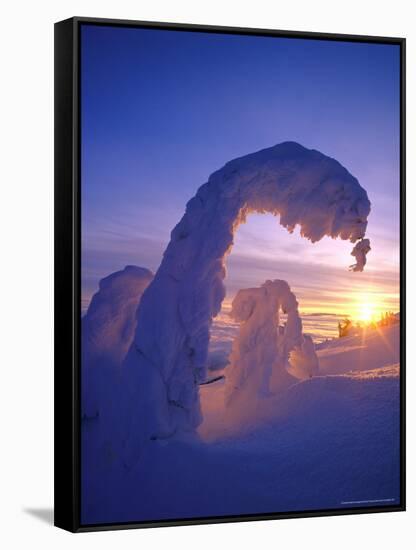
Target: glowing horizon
(257, 256)
(149, 142)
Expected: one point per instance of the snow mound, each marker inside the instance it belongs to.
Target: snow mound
(168, 358)
(374, 348)
(314, 398)
(107, 330)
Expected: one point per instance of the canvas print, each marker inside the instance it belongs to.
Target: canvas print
(240, 268)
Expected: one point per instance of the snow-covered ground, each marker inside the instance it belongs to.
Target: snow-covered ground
(331, 441)
(374, 348)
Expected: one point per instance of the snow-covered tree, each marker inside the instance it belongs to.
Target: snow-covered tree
(108, 328)
(264, 351)
(168, 357)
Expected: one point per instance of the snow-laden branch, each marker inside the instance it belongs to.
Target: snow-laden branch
(360, 251)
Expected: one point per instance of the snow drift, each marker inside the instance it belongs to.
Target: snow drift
(266, 357)
(326, 441)
(168, 357)
(107, 331)
(371, 349)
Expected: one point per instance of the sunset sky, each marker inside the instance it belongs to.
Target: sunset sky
(162, 110)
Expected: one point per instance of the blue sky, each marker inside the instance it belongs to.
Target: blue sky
(162, 110)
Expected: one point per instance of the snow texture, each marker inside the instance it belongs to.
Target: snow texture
(325, 441)
(168, 357)
(360, 251)
(264, 353)
(107, 332)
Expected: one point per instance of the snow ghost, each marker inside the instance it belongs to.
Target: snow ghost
(266, 357)
(107, 332)
(168, 357)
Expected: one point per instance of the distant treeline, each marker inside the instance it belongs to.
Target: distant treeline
(347, 328)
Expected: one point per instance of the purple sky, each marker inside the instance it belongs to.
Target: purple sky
(161, 110)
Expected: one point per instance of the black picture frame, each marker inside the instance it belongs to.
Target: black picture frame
(67, 270)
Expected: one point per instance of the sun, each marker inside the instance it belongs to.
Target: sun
(366, 312)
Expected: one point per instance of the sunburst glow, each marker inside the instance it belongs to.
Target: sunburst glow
(367, 312)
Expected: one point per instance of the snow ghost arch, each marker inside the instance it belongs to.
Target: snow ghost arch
(167, 359)
(265, 356)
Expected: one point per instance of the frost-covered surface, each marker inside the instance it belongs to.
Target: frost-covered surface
(304, 362)
(168, 358)
(107, 332)
(328, 441)
(390, 371)
(349, 353)
(264, 350)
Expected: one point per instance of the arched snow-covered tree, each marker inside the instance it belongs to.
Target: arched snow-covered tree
(167, 359)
